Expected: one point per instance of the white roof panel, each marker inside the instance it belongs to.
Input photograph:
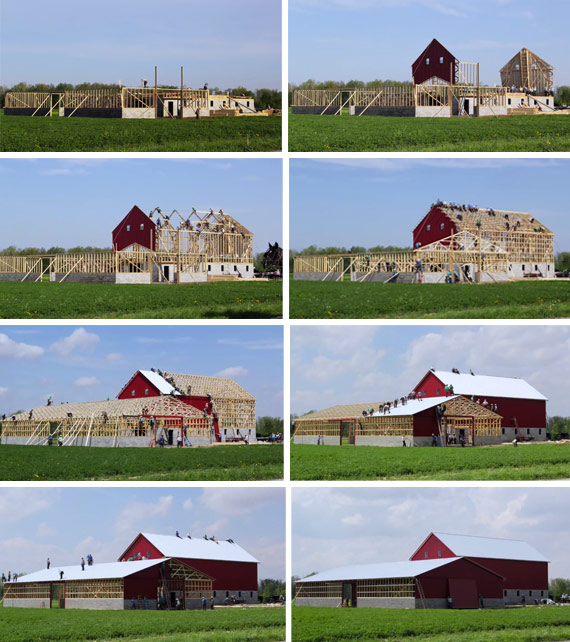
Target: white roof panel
(160, 382)
(199, 548)
(379, 571)
(491, 547)
(483, 385)
(96, 572)
(413, 406)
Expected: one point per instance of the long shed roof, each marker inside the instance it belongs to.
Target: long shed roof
(414, 406)
(491, 547)
(466, 219)
(218, 387)
(111, 570)
(199, 548)
(484, 385)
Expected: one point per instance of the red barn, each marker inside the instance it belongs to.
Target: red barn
(233, 569)
(525, 569)
(135, 229)
(435, 61)
(522, 407)
(446, 571)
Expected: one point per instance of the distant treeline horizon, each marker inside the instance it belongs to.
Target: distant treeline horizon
(262, 97)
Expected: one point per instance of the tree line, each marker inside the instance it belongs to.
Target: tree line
(557, 427)
(266, 426)
(262, 97)
(268, 588)
(561, 93)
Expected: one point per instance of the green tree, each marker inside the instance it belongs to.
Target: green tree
(265, 426)
(562, 96)
(556, 426)
(559, 586)
(562, 261)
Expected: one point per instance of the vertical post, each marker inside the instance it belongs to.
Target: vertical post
(479, 257)
(181, 114)
(478, 112)
(155, 91)
(450, 94)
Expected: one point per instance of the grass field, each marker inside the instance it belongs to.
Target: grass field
(251, 134)
(346, 300)
(224, 300)
(483, 463)
(530, 624)
(220, 625)
(378, 133)
(218, 463)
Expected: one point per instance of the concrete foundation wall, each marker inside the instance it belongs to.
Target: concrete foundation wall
(438, 111)
(220, 596)
(408, 112)
(26, 604)
(25, 111)
(485, 111)
(151, 605)
(517, 271)
(386, 603)
(138, 112)
(11, 276)
(109, 604)
(132, 277)
(87, 277)
(312, 440)
(530, 595)
(379, 440)
(382, 277)
(193, 277)
(432, 603)
(230, 269)
(88, 112)
(314, 110)
(316, 276)
(318, 601)
(537, 434)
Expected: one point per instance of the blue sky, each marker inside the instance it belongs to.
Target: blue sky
(340, 364)
(338, 526)
(369, 39)
(367, 202)
(80, 201)
(92, 363)
(66, 524)
(224, 43)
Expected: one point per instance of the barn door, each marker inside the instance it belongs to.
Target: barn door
(57, 596)
(463, 592)
(347, 429)
(349, 594)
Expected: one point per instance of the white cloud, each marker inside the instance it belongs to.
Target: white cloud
(233, 371)
(10, 349)
(188, 504)
(239, 501)
(3, 390)
(17, 503)
(114, 356)
(141, 512)
(79, 340)
(63, 172)
(253, 344)
(86, 382)
(43, 530)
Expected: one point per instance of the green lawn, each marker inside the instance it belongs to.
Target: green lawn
(253, 624)
(482, 463)
(379, 133)
(223, 300)
(217, 463)
(242, 134)
(530, 624)
(347, 300)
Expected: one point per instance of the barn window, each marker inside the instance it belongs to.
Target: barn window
(437, 392)
(132, 393)
(214, 593)
(227, 593)
(518, 67)
(528, 431)
(503, 431)
(541, 593)
(128, 228)
(426, 555)
(146, 392)
(536, 102)
(251, 594)
(442, 226)
(211, 103)
(141, 227)
(247, 103)
(427, 61)
(441, 60)
(504, 592)
(247, 268)
(439, 553)
(540, 431)
(222, 268)
(209, 268)
(518, 593)
(548, 101)
(239, 593)
(516, 431)
(509, 101)
(530, 593)
(428, 228)
(523, 268)
(536, 267)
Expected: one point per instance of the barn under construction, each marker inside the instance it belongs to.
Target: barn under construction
(442, 87)
(154, 247)
(452, 243)
(155, 572)
(154, 408)
(443, 409)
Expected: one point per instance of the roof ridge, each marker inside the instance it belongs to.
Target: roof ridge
(503, 539)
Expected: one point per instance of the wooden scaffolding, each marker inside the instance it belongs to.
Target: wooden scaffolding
(527, 71)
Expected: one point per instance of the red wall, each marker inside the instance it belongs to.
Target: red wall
(435, 217)
(142, 584)
(228, 576)
(530, 413)
(518, 574)
(432, 545)
(139, 384)
(434, 51)
(435, 583)
(425, 423)
(135, 218)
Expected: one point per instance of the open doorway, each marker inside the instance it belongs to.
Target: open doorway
(347, 433)
(57, 596)
(349, 594)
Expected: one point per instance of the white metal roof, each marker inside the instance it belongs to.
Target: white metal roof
(379, 571)
(413, 406)
(96, 572)
(160, 382)
(484, 385)
(198, 548)
(491, 547)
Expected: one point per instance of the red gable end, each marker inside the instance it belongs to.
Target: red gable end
(136, 227)
(432, 549)
(435, 61)
(434, 226)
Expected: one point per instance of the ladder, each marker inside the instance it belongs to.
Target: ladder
(421, 592)
(442, 433)
(165, 588)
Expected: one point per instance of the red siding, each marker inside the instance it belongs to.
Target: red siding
(529, 413)
(434, 218)
(518, 574)
(139, 383)
(431, 546)
(421, 71)
(146, 237)
(143, 584)
(228, 576)
(425, 423)
(435, 584)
